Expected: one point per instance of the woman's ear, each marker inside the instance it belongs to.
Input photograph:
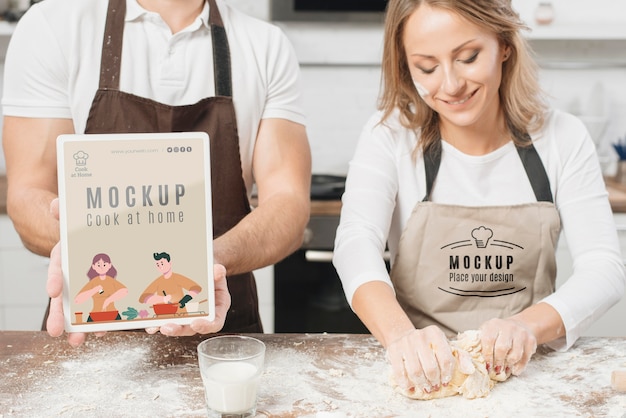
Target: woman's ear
(506, 53)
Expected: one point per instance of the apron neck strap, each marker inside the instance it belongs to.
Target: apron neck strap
(530, 160)
(112, 46)
(432, 161)
(221, 52)
(535, 170)
(112, 49)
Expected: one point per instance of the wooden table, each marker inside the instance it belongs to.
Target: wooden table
(132, 374)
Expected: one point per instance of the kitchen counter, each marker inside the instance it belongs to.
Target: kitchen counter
(306, 375)
(325, 207)
(617, 195)
(617, 198)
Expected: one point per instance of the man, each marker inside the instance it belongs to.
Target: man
(169, 287)
(157, 66)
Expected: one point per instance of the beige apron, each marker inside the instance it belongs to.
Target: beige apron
(459, 266)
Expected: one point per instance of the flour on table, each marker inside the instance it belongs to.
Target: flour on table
(470, 379)
(121, 381)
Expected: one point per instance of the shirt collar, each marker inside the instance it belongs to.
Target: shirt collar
(134, 11)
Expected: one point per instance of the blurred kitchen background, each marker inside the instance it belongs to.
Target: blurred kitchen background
(581, 48)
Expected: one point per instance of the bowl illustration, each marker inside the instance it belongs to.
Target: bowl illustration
(165, 308)
(103, 316)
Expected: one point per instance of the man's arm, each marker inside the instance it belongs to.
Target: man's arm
(282, 169)
(30, 152)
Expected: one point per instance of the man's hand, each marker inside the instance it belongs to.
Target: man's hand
(203, 326)
(55, 323)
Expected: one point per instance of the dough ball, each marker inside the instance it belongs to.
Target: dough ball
(470, 377)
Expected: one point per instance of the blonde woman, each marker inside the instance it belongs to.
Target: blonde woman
(469, 179)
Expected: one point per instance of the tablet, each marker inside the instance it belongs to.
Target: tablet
(136, 230)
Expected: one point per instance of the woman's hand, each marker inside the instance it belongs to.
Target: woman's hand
(507, 345)
(203, 326)
(421, 360)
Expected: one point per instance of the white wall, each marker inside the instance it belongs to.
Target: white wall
(337, 101)
(256, 8)
(575, 11)
(23, 297)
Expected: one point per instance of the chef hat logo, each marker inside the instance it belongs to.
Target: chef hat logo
(482, 236)
(81, 158)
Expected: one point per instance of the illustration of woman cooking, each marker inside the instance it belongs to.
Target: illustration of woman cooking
(169, 288)
(103, 288)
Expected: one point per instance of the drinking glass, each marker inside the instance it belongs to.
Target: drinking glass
(230, 366)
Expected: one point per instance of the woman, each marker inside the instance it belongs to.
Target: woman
(102, 287)
(468, 178)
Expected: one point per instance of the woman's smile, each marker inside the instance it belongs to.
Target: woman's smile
(461, 101)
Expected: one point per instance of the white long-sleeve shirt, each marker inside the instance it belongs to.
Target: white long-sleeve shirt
(384, 183)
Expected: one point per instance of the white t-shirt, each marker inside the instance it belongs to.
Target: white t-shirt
(53, 65)
(384, 184)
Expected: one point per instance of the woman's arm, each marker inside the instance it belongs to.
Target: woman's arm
(421, 359)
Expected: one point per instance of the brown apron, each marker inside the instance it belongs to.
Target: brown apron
(114, 111)
(460, 266)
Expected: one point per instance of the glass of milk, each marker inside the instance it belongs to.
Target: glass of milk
(230, 366)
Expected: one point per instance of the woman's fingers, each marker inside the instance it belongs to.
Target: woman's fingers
(530, 348)
(507, 346)
(398, 371)
(422, 360)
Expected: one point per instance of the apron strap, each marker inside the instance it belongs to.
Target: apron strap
(112, 46)
(432, 161)
(535, 171)
(221, 53)
(112, 49)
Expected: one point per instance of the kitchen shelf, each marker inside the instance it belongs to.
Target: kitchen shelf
(581, 65)
(577, 31)
(350, 43)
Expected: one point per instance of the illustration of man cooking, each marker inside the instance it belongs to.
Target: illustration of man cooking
(170, 288)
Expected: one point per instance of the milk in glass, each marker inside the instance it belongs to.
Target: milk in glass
(231, 386)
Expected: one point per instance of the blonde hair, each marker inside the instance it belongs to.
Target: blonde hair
(521, 97)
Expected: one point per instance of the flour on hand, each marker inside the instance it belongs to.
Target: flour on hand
(470, 379)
